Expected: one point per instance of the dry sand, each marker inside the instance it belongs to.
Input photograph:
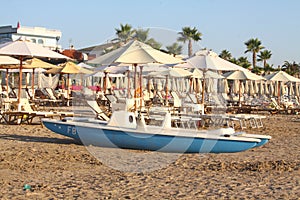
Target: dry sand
(57, 167)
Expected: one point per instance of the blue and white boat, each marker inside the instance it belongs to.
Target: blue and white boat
(123, 130)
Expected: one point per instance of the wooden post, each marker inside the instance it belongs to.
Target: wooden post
(128, 84)
(20, 83)
(279, 92)
(135, 95)
(203, 90)
(6, 78)
(166, 97)
(104, 83)
(32, 83)
(141, 87)
(240, 84)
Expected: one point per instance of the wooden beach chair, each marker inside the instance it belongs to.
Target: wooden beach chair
(27, 109)
(53, 99)
(97, 110)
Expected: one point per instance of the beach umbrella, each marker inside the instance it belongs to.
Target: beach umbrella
(281, 76)
(25, 49)
(240, 76)
(34, 64)
(209, 60)
(135, 53)
(7, 60)
(69, 68)
(209, 74)
(171, 73)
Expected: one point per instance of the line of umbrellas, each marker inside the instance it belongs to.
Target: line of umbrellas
(24, 50)
(204, 64)
(208, 62)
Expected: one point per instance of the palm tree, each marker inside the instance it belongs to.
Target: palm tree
(141, 35)
(254, 46)
(154, 44)
(125, 33)
(243, 62)
(234, 61)
(174, 49)
(291, 67)
(225, 54)
(264, 56)
(189, 34)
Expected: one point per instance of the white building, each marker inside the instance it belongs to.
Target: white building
(46, 37)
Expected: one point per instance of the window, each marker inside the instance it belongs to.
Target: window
(33, 40)
(41, 41)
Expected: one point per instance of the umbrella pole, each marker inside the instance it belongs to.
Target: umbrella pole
(166, 97)
(68, 90)
(148, 85)
(135, 72)
(278, 87)
(203, 90)
(190, 82)
(128, 84)
(141, 87)
(20, 84)
(32, 83)
(104, 82)
(7, 81)
(240, 83)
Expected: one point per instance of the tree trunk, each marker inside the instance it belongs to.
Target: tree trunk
(254, 59)
(190, 48)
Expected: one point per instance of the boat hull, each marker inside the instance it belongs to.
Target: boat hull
(131, 139)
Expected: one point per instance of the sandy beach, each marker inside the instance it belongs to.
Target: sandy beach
(57, 167)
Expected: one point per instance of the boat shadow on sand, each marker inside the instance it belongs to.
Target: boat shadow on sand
(27, 138)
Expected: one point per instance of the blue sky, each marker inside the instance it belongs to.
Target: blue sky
(225, 24)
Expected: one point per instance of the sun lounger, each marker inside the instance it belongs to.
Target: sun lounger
(52, 98)
(254, 121)
(97, 110)
(27, 109)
